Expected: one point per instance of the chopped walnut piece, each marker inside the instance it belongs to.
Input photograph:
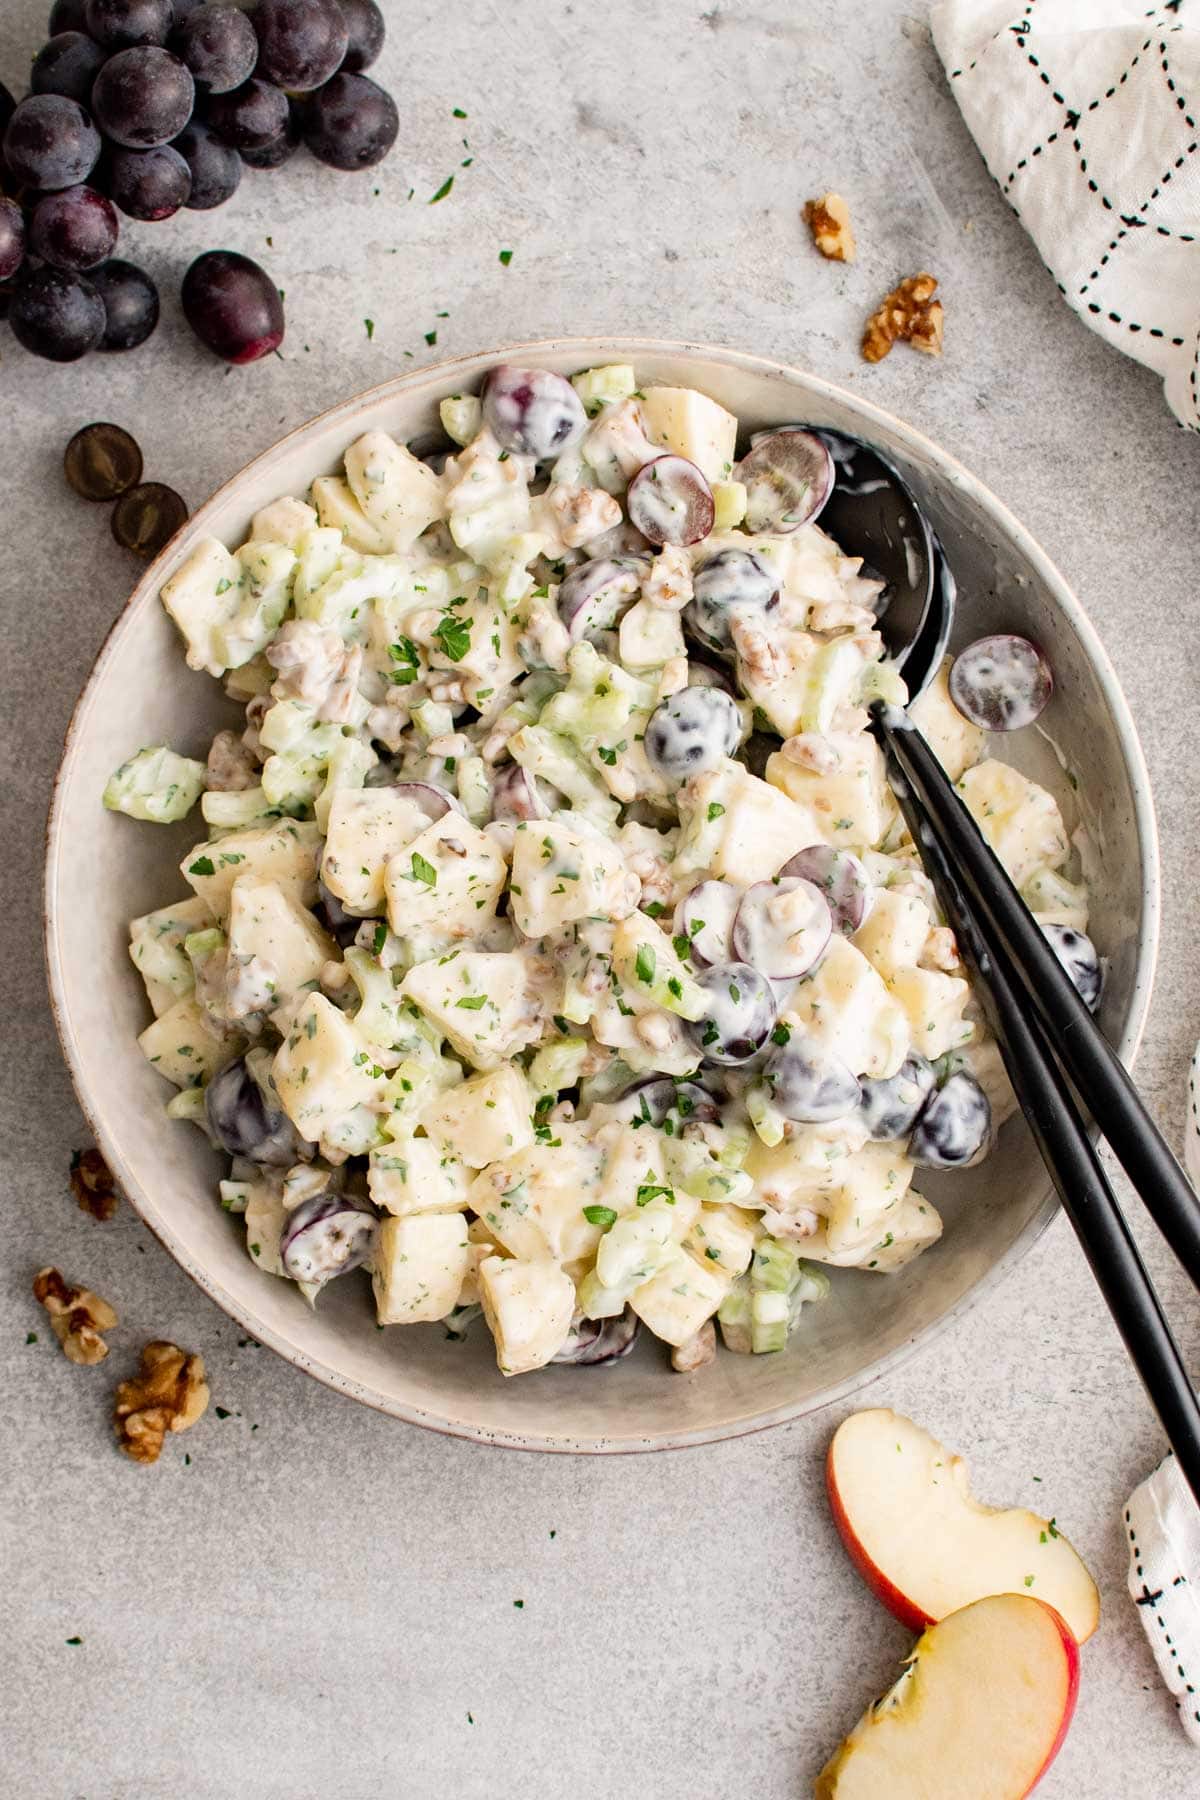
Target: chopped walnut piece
(170, 1394)
(232, 766)
(829, 221)
(695, 1352)
(582, 513)
(92, 1184)
(77, 1315)
(909, 314)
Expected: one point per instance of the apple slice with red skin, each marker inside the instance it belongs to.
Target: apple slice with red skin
(979, 1713)
(925, 1546)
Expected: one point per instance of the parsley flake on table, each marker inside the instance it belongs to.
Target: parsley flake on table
(506, 257)
(442, 191)
(370, 325)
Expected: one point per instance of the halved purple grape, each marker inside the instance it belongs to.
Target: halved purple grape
(301, 43)
(244, 1123)
(658, 1098)
(691, 731)
(149, 184)
(808, 1083)
(954, 1127)
(532, 412)
(731, 581)
(594, 596)
(327, 1236)
(705, 918)
(670, 502)
(73, 229)
(788, 476)
(1001, 683)
(12, 238)
(892, 1104)
(594, 1342)
(433, 801)
(342, 926)
(782, 927)
(740, 1012)
(840, 877)
(518, 795)
(50, 143)
(68, 64)
(143, 97)
(1081, 960)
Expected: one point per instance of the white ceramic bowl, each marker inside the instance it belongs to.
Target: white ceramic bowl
(102, 870)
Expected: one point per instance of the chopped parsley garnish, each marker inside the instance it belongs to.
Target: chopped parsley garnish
(458, 113)
(423, 870)
(380, 938)
(431, 338)
(404, 654)
(607, 756)
(651, 1190)
(675, 987)
(683, 945)
(715, 810)
(781, 1034)
(645, 964)
(203, 865)
(224, 585)
(604, 1216)
(654, 909)
(472, 1002)
(454, 636)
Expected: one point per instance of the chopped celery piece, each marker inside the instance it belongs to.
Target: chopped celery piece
(235, 1195)
(557, 1065)
(157, 785)
(775, 1267)
(729, 504)
(461, 415)
(231, 811)
(733, 1316)
(769, 1319)
(188, 1103)
(766, 1119)
(605, 386)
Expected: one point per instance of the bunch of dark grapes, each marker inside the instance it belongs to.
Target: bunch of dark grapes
(140, 107)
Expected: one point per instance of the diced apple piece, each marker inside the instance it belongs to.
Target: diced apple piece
(981, 1710)
(893, 934)
(532, 1200)
(285, 851)
(483, 1119)
(268, 924)
(201, 595)
(846, 1006)
(933, 1004)
(284, 521)
(1019, 819)
(338, 510)
(323, 1069)
(397, 492)
(692, 425)
(955, 742)
(528, 1307)
(560, 875)
(420, 1266)
(447, 879)
(922, 1542)
(738, 827)
(367, 826)
(156, 946)
(852, 803)
(183, 1046)
(679, 1297)
(479, 1000)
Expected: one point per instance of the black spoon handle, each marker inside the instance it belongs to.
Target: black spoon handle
(1086, 1054)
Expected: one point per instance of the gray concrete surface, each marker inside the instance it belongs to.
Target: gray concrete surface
(322, 1603)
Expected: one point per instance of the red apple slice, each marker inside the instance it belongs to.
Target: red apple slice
(980, 1710)
(926, 1546)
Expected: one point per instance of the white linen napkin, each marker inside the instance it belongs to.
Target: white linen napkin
(1162, 1523)
(1086, 113)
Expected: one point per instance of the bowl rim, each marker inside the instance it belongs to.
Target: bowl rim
(460, 370)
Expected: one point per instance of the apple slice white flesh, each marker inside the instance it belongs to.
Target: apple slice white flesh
(925, 1546)
(979, 1713)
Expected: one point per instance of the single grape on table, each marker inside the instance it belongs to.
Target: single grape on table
(233, 306)
(102, 461)
(146, 518)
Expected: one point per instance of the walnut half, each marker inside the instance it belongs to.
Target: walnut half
(170, 1394)
(77, 1315)
(92, 1184)
(829, 221)
(909, 314)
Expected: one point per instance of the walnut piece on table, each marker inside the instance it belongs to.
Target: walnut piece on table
(829, 221)
(170, 1394)
(93, 1186)
(77, 1315)
(910, 315)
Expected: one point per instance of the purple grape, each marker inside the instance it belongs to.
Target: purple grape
(145, 519)
(8, 107)
(670, 502)
(130, 304)
(252, 116)
(56, 315)
(518, 795)
(122, 24)
(350, 123)
(705, 918)
(50, 142)
(301, 43)
(532, 412)
(364, 22)
(281, 149)
(102, 461)
(67, 15)
(233, 306)
(731, 581)
(594, 1342)
(143, 97)
(782, 927)
(892, 1104)
(327, 1236)
(12, 239)
(217, 43)
(1078, 956)
(954, 1126)
(594, 596)
(74, 229)
(788, 475)
(808, 1084)
(658, 1098)
(68, 65)
(433, 801)
(1001, 683)
(740, 1013)
(840, 877)
(214, 168)
(244, 1123)
(149, 184)
(342, 926)
(691, 731)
